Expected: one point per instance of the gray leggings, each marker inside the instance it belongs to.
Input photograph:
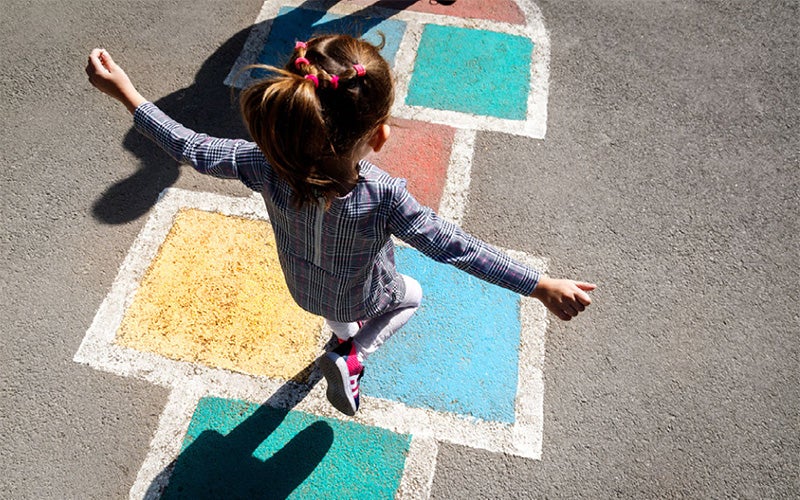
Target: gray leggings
(377, 330)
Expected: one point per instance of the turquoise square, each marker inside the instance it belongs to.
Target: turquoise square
(459, 353)
(239, 449)
(472, 71)
(295, 24)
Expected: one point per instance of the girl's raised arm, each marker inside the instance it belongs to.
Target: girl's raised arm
(445, 242)
(110, 79)
(223, 158)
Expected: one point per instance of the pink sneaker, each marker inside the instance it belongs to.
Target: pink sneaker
(342, 371)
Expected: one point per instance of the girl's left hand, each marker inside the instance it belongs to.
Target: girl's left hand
(110, 79)
(564, 298)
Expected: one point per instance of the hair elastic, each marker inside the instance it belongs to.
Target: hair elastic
(360, 71)
(301, 60)
(335, 81)
(314, 79)
(300, 45)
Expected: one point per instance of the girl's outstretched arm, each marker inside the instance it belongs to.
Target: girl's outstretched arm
(110, 79)
(564, 298)
(224, 158)
(445, 242)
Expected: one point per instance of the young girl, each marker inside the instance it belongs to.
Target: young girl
(333, 214)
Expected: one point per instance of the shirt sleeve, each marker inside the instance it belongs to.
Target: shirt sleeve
(223, 158)
(445, 242)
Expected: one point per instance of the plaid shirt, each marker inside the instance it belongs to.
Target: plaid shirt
(339, 263)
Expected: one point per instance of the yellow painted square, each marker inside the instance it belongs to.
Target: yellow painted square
(215, 295)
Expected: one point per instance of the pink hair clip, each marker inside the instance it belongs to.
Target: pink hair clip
(360, 71)
(314, 79)
(335, 81)
(299, 61)
(300, 45)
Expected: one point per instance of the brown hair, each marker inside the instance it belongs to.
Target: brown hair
(309, 128)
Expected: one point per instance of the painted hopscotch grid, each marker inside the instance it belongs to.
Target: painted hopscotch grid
(191, 382)
(534, 122)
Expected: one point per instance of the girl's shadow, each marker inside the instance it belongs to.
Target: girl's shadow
(207, 105)
(223, 466)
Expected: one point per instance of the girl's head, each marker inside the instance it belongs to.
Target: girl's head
(319, 115)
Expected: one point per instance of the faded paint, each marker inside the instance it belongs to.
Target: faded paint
(496, 10)
(215, 295)
(293, 24)
(472, 71)
(420, 153)
(458, 353)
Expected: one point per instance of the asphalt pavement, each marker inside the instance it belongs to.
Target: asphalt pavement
(668, 175)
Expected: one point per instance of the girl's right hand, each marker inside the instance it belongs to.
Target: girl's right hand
(110, 79)
(564, 298)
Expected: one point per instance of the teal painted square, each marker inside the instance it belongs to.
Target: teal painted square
(459, 353)
(238, 449)
(472, 71)
(293, 24)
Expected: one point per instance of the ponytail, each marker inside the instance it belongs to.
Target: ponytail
(311, 117)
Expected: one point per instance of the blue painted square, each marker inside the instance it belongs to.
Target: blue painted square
(238, 449)
(472, 71)
(293, 24)
(459, 353)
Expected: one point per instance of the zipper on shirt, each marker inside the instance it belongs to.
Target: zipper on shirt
(320, 215)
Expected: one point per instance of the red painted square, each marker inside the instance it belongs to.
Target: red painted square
(495, 10)
(420, 153)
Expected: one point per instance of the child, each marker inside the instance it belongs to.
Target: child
(333, 213)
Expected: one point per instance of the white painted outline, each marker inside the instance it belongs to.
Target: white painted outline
(453, 205)
(535, 123)
(190, 381)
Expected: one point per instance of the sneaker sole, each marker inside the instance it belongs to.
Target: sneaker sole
(335, 373)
